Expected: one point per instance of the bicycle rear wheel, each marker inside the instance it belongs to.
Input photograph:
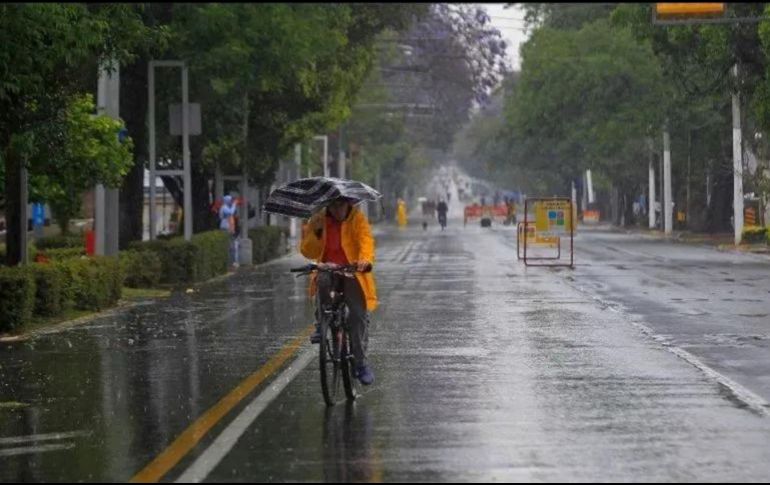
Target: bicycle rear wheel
(330, 364)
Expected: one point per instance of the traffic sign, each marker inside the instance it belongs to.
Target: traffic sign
(552, 217)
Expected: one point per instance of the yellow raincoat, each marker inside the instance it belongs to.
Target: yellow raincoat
(357, 244)
(401, 213)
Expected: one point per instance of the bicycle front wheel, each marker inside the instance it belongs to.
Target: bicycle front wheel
(330, 364)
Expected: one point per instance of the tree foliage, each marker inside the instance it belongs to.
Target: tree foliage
(586, 99)
(90, 152)
(600, 83)
(427, 80)
(44, 49)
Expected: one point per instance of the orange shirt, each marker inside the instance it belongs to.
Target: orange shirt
(333, 252)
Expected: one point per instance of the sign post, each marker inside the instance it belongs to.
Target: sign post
(554, 218)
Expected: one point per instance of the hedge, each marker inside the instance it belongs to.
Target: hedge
(141, 269)
(17, 297)
(61, 241)
(46, 289)
(60, 254)
(49, 289)
(268, 242)
(70, 279)
(91, 283)
(754, 235)
(204, 257)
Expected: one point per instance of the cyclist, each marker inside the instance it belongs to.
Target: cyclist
(341, 234)
(442, 209)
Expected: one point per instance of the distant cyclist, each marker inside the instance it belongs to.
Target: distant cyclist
(441, 210)
(341, 235)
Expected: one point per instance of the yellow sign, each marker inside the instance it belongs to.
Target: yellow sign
(688, 9)
(552, 217)
(533, 238)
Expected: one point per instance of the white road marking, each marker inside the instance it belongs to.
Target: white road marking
(210, 458)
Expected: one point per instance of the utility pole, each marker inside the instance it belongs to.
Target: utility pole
(667, 203)
(151, 145)
(737, 161)
(219, 183)
(688, 214)
(651, 201)
(245, 244)
(107, 215)
(187, 177)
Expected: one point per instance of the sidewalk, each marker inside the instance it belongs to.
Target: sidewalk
(719, 241)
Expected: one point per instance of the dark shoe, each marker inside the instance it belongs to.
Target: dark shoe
(315, 337)
(365, 375)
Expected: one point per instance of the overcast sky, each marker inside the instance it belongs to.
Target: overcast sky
(510, 23)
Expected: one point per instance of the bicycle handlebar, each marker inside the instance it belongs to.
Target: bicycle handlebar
(328, 267)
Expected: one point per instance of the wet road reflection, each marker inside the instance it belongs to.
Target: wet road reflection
(486, 371)
(349, 453)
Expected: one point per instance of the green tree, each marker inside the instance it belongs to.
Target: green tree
(267, 76)
(586, 99)
(91, 153)
(697, 62)
(41, 45)
(44, 49)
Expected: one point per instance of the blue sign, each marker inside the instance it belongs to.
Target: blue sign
(38, 214)
(122, 135)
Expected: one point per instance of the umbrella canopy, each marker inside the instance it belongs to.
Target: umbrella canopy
(304, 197)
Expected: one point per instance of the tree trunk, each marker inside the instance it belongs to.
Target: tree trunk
(628, 209)
(14, 226)
(614, 206)
(203, 218)
(721, 202)
(134, 105)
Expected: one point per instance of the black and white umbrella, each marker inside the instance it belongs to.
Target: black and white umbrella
(304, 197)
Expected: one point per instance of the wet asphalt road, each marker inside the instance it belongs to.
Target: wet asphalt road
(644, 363)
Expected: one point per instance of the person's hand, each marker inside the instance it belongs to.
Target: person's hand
(363, 266)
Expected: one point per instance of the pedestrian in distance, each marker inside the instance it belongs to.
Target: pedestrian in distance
(441, 211)
(401, 214)
(227, 215)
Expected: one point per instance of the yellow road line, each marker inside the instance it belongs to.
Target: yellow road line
(168, 459)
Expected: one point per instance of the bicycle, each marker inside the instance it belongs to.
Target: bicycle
(442, 220)
(335, 357)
